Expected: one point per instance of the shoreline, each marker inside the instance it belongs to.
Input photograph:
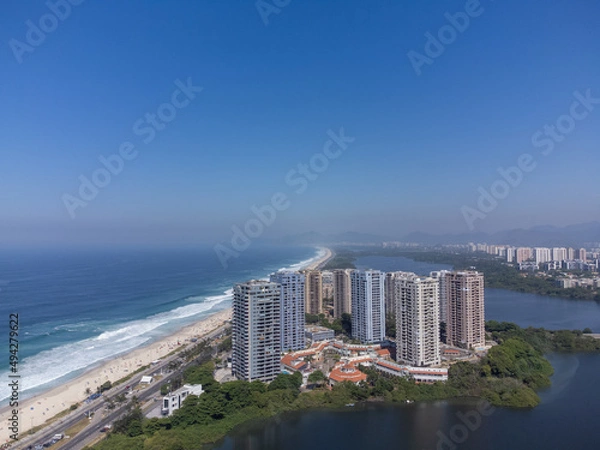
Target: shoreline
(321, 261)
(36, 410)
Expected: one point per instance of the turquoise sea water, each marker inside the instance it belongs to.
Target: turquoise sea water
(78, 308)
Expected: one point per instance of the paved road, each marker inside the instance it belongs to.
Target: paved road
(89, 434)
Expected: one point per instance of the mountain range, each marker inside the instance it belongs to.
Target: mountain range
(585, 234)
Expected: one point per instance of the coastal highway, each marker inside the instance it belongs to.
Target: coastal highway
(91, 432)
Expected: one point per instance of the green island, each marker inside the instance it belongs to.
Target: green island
(507, 376)
(498, 274)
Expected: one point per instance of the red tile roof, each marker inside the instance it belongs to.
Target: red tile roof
(347, 372)
(390, 366)
(451, 351)
(290, 360)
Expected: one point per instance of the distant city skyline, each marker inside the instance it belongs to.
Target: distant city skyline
(181, 122)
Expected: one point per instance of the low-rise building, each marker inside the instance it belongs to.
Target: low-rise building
(529, 266)
(316, 333)
(419, 374)
(174, 400)
(346, 372)
(291, 363)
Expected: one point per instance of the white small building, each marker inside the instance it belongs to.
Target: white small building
(316, 334)
(174, 400)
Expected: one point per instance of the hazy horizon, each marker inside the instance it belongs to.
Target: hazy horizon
(166, 125)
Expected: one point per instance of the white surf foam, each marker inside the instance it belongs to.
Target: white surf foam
(49, 366)
(321, 252)
(45, 369)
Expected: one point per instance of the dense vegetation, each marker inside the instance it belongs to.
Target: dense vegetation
(341, 260)
(497, 273)
(543, 340)
(340, 326)
(507, 376)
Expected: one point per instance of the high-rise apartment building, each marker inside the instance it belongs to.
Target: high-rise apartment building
(441, 277)
(542, 255)
(522, 254)
(510, 254)
(368, 305)
(417, 319)
(390, 294)
(313, 291)
(559, 254)
(256, 328)
(341, 292)
(582, 254)
(327, 283)
(465, 326)
(292, 309)
(570, 254)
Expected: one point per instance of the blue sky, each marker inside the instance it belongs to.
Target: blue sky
(423, 144)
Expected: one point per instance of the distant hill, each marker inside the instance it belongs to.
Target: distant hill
(539, 236)
(314, 238)
(548, 236)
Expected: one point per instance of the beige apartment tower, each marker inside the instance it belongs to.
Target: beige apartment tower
(342, 302)
(313, 291)
(465, 326)
(417, 319)
(327, 279)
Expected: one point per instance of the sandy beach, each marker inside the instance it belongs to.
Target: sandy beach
(34, 411)
(321, 261)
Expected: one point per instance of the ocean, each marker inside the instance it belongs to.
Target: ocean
(79, 308)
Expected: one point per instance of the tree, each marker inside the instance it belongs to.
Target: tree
(135, 428)
(238, 394)
(390, 325)
(212, 404)
(201, 375)
(130, 423)
(285, 381)
(226, 345)
(311, 318)
(317, 377)
(162, 441)
(347, 323)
